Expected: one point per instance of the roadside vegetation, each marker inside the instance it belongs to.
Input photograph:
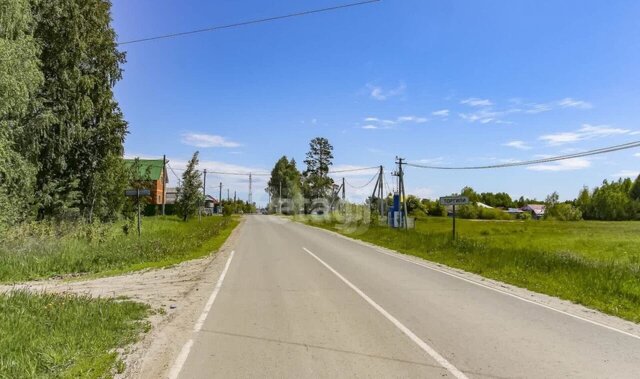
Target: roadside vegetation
(593, 263)
(53, 336)
(44, 250)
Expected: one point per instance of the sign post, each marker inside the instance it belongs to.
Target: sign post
(453, 201)
(137, 193)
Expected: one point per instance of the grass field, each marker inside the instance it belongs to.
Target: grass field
(51, 336)
(107, 250)
(596, 264)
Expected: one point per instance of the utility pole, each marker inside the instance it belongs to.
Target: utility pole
(234, 196)
(164, 182)
(381, 191)
(228, 196)
(402, 193)
(220, 198)
(204, 183)
(250, 189)
(280, 199)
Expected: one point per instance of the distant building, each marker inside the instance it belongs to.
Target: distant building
(536, 210)
(514, 211)
(154, 175)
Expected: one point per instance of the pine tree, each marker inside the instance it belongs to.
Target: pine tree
(190, 199)
(317, 183)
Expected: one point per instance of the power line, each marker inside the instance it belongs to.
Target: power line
(249, 22)
(604, 150)
(174, 173)
(354, 169)
(369, 182)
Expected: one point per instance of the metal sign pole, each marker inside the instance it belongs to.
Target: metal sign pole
(454, 222)
(138, 197)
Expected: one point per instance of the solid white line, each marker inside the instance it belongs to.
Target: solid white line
(184, 353)
(423, 345)
(510, 294)
(398, 256)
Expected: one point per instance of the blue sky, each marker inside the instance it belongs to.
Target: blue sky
(442, 82)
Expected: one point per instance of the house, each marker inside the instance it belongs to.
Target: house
(536, 210)
(153, 174)
(514, 211)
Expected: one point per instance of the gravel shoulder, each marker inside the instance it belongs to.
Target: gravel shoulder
(176, 293)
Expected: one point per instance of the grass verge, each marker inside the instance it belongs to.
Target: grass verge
(596, 264)
(52, 336)
(109, 251)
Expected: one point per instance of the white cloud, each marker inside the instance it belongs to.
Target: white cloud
(475, 102)
(566, 165)
(378, 123)
(626, 174)
(585, 132)
(568, 102)
(417, 120)
(636, 155)
(207, 140)
(427, 161)
(380, 94)
(441, 113)
(518, 145)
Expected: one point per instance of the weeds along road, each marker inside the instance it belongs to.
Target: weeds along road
(300, 302)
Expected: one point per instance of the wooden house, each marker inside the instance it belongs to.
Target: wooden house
(153, 174)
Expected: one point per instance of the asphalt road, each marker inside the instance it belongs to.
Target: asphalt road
(298, 302)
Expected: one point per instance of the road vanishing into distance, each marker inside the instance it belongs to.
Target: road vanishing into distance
(298, 302)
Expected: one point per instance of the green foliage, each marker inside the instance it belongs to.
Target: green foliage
(75, 126)
(433, 208)
(45, 249)
(285, 183)
(20, 78)
(612, 201)
(563, 212)
(317, 184)
(414, 206)
(51, 336)
(190, 198)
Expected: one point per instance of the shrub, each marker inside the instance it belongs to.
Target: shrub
(563, 212)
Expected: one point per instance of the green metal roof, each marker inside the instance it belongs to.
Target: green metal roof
(152, 167)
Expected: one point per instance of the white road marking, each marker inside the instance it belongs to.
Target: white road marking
(398, 256)
(423, 345)
(511, 294)
(184, 353)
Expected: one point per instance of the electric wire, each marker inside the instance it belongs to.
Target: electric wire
(363, 186)
(604, 150)
(354, 169)
(248, 22)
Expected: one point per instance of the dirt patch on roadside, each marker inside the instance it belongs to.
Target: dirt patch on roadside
(177, 294)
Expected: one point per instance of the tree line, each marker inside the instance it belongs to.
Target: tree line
(61, 130)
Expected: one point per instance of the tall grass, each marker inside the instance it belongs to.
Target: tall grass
(47, 251)
(51, 336)
(562, 260)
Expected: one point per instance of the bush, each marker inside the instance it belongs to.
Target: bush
(493, 214)
(467, 211)
(563, 212)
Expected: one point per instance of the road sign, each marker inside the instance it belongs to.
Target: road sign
(135, 192)
(454, 200)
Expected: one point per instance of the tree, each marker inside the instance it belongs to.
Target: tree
(286, 177)
(470, 193)
(634, 192)
(20, 78)
(76, 131)
(317, 183)
(190, 199)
